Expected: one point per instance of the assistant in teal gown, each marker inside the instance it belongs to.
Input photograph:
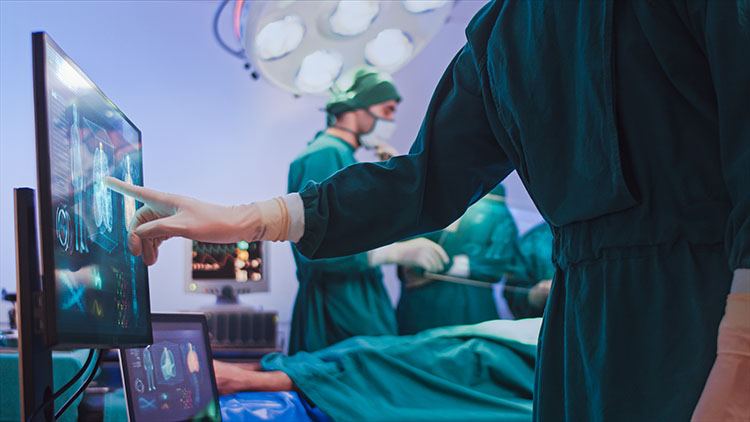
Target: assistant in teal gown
(488, 235)
(628, 124)
(536, 249)
(339, 297)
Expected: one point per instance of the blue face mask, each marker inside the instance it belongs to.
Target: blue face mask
(382, 130)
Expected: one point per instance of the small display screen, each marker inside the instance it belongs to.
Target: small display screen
(241, 261)
(100, 288)
(171, 380)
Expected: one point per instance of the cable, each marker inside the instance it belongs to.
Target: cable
(236, 53)
(80, 373)
(82, 388)
(59, 392)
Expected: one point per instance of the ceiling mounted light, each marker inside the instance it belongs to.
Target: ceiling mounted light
(421, 6)
(389, 49)
(280, 37)
(352, 18)
(318, 71)
(304, 46)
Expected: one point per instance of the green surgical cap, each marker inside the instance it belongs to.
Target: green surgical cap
(359, 88)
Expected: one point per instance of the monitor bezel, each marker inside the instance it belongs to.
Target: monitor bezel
(56, 339)
(181, 317)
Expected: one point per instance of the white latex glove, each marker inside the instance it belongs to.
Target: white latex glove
(460, 267)
(419, 252)
(167, 215)
(385, 151)
(726, 395)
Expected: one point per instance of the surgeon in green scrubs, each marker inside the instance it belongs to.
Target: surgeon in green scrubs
(483, 246)
(629, 124)
(343, 297)
(526, 292)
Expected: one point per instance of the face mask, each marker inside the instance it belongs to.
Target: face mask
(380, 133)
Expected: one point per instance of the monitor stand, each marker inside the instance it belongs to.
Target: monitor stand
(227, 297)
(34, 357)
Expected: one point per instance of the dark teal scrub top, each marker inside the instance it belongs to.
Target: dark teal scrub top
(629, 125)
(340, 297)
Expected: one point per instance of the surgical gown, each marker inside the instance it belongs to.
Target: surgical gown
(488, 235)
(536, 249)
(629, 125)
(341, 297)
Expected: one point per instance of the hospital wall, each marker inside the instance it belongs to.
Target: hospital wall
(209, 130)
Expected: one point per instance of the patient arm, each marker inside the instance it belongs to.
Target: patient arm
(235, 378)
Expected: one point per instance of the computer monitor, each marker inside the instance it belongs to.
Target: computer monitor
(172, 379)
(226, 270)
(95, 290)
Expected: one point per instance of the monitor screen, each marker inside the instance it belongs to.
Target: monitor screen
(226, 269)
(96, 292)
(172, 379)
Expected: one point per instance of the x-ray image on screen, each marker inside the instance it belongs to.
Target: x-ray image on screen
(101, 290)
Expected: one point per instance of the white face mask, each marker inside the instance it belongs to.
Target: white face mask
(382, 130)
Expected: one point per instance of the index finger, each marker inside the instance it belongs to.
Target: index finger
(147, 196)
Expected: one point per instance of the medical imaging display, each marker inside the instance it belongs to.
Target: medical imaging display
(100, 288)
(241, 261)
(170, 379)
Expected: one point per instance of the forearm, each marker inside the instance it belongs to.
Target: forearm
(236, 378)
(270, 381)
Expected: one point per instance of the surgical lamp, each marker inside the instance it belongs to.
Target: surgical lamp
(304, 46)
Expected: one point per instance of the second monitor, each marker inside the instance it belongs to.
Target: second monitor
(226, 270)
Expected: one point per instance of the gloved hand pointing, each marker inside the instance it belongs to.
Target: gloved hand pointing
(167, 215)
(419, 252)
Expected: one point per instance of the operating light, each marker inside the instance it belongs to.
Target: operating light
(303, 47)
(280, 37)
(353, 17)
(389, 50)
(421, 6)
(318, 71)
